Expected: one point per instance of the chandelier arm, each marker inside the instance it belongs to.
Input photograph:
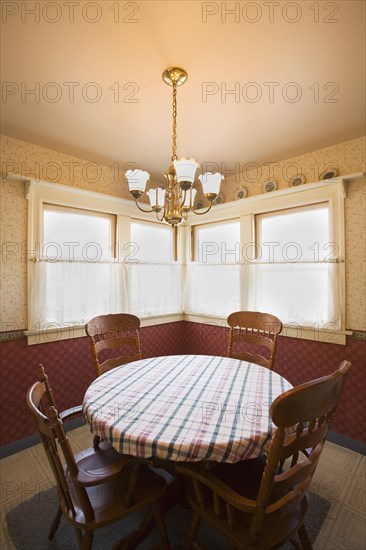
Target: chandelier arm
(205, 211)
(183, 199)
(162, 216)
(142, 210)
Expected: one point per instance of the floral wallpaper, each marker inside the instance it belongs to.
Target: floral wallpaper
(33, 161)
(346, 158)
(13, 267)
(355, 214)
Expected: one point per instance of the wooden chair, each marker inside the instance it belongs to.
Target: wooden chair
(260, 504)
(259, 330)
(113, 331)
(97, 486)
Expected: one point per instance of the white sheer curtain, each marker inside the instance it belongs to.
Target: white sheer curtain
(154, 288)
(212, 289)
(66, 293)
(304, 294)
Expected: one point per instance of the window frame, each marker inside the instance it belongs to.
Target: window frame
(39, 192)
(331, 192)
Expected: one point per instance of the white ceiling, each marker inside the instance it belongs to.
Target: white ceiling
(325, 58)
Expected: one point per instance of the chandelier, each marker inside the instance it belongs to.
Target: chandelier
(173, 202)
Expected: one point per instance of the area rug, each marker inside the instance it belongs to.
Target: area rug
(29, 523)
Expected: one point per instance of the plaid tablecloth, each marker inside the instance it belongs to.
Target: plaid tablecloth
(185, 408)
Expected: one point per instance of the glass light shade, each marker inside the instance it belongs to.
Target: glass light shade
(190, 196)
(157, 197)
(137, 180)
(185, 169)
(211, 182)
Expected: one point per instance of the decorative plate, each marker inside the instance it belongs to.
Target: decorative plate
(329, 174)
(269, 186)
(241, 193)
(297, 180)
(219, 199)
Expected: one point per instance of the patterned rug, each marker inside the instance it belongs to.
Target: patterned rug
(29, 523)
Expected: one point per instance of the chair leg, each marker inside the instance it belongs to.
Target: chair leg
(304, 538)
(55, 523)
(87, 540)
(130, 541)
(193, 532)
(79, 536)
(295, 543)
(96, 441)
(161, 527)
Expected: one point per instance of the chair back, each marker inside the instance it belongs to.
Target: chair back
(56, 444)
(277, 510)
(258, 331)
(309, 408)
(108, 332)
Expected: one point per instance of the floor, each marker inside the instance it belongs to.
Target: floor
(340, 476)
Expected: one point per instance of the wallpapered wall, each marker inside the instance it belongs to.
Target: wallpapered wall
(300, 360)
(33, 161)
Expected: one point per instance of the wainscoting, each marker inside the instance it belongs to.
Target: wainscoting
(301, 360)
(70, 369)
(69, 366)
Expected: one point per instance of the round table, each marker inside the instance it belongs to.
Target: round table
(185, 408)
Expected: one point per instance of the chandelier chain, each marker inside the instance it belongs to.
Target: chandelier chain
(174, 136)
(172, 203)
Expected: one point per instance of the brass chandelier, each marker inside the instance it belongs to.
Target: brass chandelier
(172, 204)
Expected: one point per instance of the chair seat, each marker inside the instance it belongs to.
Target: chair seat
(92, 459)
(243, 477)
(107, 499)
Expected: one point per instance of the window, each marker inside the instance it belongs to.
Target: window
(284, 255)
(217, 242)
(213, 280)
(73, 234)
(152, 242)
(297, 234)
(89, 257)
(295, 273)
(75, 277)
(155, 279)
